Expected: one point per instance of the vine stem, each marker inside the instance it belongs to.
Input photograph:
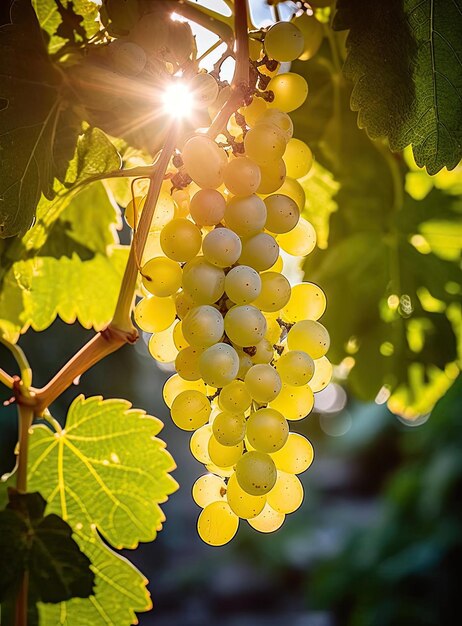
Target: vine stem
(6, 379)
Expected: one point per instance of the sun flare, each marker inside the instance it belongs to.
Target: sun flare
(178, 100)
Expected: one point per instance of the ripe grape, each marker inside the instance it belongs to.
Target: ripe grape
(312, 32)
(287, 494)
(295, 368)
(295, 402)
(260, 251)
(187, 363)
(217, 524)
(242, 503)
(322, 374)
(190, 410)
(135, 205)
(309, 336)
(263, 382)
(178, 336)
(183, 304)
(155, 314)
(199, 444)
(267, 430)
(282, 213)
(253, 111)
(300, 241)
(204, 89)
(275, 292)
(298, 158)
(295, 456)
(162, 346)
(245, 215)
(284, 42)
(256, 473)
(242, 284)
(290, 91)
(175, 385)
(207, 489)
(294, 190)
(219, 365)
(180, 240)
(268, 521)
(307, 302)
(234, 397)
(265, 143)
(204, 161)
(222, 247)
(207, 207)
(229, 428)
(280, 119)
(245, 325)
(264, 352)
(203, 326)
(272, 176)
(224, 456)
(242, 176)
(127, 58)
(204, 282)
(161, 276)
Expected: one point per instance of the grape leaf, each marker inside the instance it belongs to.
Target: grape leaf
(406, 62)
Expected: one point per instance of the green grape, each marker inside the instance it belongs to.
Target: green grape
(273, 330)
(175, 385)
(282, 213)
(207, 489)
(275, 292)
(155, 314)
(127, 58)
(182, 201)
(265, 143)
(183, 304)
(190, 410)
(162, 346)
(256, 473)
(161, 276)
(300, 241)
(242, 284)
(260, 252)
(204, 89)
(234, 397)
(281, 120)
(322, 374)
(187, 363)
(253, 111)
(246, 216)
(284, 42)
(224, 472)
(295, 402)
(312, 32)
(307, 302)
(295, 368)
(264, 352)
(178, 336)
(287, 494)
(135, 206)
(165, 209)
(207, 207)
(290, 91)
(263, 382)
(242, 503)
(298, 158)
(267, 430)
(268, 521)
(245, 363)
(204, 161)
(204, 282)
(295, 456)
(245, 325)
(272, 176)
(180, 240)
(242, 176)
(229, 428)
(224, 456)
(219, 365)
(203, 326)
(222, 247)
(309, 336)
(199, 444)
(294, 190)
(217, 524)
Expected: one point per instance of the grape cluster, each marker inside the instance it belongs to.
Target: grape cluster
(248, 348)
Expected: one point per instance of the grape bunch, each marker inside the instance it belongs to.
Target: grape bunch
(248, 349)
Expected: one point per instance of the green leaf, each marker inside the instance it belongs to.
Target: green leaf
(38, 125)
(406, 61)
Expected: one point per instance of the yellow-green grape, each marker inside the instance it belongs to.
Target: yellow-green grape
(165, 208)
(295, 402)
(190, 410)
(161, 276)
(219, 365)
(263, 382)
(265, 143)
(181, 201)
(187, 363)
(282, 213)
(242, 284)
(264, 352)
(245, 215)
(183, 304)
(295, 368)
(290, 91)
(242, 176)
(222, 247)
(234, 128)
(275, 292)
(224, 456)
(229, 428)
(162, 346)
(255, 49)
(277, 265)
(267, 430)
(268, 521)
(234, 397)
(180, 240)
(242, 503)
(245, 363)
(253, 111)
(245, 325)
(224, 472)
(152, 247)
(260, 251)
(280, 119)
(207, 207)
(298, 158)
(300, 241)
(294, 190)
(256, 473)
(272, 176)
(287, 494)
(204, 282)
(175, 385)
(217, 524)
(203, 326)
(295, 456)
(312, 32)
(284, 42)
(204, 89)
(155, 314)
(178, 336)
(309, 336)
(207, 489)
(322, 374)
(204, 161)
(307, 302)
(199, 444)
(132, 208)
(273, 330)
